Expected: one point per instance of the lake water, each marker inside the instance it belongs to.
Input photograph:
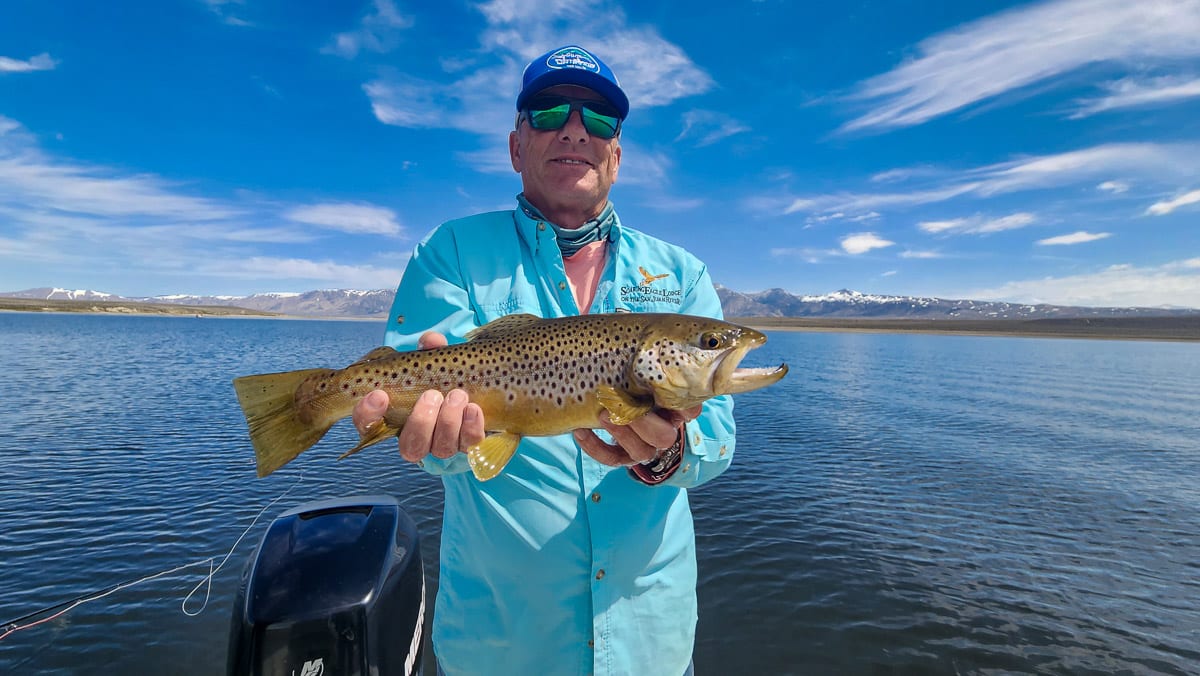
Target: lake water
(899, 504)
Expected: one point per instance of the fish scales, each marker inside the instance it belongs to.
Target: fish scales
(530, 376)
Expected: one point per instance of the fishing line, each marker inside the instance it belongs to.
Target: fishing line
(13, 626)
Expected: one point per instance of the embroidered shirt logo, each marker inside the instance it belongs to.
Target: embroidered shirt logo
(313, 667)
(645, 294)
(648, 279)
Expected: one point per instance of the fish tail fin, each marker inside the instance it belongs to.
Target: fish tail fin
(278, 430)
(490, 456)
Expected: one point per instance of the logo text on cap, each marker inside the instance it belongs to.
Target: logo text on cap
(572, 57)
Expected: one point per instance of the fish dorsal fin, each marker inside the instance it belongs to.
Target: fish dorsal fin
(377, 353)
(503, 326)
(622, 407)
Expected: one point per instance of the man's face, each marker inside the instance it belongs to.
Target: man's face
(566, 173)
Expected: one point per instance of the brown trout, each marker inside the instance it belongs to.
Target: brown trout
(531, 377)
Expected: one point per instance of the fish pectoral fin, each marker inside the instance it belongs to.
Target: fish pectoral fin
(623, 408)
(503, 326)
(490, 456)
(380, 431)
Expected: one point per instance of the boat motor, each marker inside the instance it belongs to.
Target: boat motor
(335, 587)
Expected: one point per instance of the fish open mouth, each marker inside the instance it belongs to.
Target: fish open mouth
(730, 378)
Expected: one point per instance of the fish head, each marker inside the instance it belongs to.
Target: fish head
(685, 360)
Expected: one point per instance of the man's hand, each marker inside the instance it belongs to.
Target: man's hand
(637, 442)
(439, 425)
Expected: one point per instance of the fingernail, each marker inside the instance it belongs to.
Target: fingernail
(456, 397)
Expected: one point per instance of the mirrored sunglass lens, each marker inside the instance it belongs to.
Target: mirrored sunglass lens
(549, 118)
(604, 126)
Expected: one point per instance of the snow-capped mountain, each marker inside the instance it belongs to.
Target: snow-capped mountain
(853, 304)
(771, 303)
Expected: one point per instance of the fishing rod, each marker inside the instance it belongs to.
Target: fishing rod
(13, 626)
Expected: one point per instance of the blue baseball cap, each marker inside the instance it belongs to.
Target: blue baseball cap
(572, 65)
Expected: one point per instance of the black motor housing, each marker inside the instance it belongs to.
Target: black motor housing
(335, 587)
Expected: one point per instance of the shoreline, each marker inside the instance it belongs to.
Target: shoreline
(1166, 328)
(1173, 329)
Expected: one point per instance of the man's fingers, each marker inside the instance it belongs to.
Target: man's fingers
(370, 409)
(607, 454)
(472, 431)
(445, 440)
(417, 435)
(430, 340)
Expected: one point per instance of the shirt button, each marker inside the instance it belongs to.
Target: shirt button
(595, 497)
(562, 286)
(724, 451)
(591, 643)
(600, 574)
(541, 226)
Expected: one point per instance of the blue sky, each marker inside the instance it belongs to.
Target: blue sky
(1027, 151)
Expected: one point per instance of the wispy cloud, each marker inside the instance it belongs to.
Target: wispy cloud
(39, 62)
(1130, 93)
(65, 214)
(379, 31)
(479, 89)
(707, 127)
(225, 10)
(1166, 207)
(351, 218)
(1032, 44)
(1160, 163)
(1173, 284)
(978, 224)
(304, 270)
(1080, 237)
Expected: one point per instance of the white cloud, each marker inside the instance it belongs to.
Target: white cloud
(379, 31)
(479, 94)
(862, 242)
(39, 62)
(1130, 92)
(922, 254)
(1174, 284)
(304, 270)
(29, 178)
(1080, 237)
(1166, 207)
(1020, 47)
(708, 127)
(978, 224)
(806, 254)
(345, 217)
(1115, 187)
(1147, 162)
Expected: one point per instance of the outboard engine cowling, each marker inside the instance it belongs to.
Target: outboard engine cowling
(335, 587)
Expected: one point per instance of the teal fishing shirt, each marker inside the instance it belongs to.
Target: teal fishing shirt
(560, 564)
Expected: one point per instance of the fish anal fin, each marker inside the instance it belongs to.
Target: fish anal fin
(490, 456)
(382, 430)
(503, 326)
(623, 408)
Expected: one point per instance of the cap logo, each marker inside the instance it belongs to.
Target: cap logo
(572, 57)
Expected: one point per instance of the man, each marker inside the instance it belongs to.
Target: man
(567, 562)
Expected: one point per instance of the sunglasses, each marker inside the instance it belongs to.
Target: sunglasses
(549, 113)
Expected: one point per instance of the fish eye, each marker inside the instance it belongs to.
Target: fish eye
(712, 340)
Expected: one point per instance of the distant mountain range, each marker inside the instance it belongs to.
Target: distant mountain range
(772, 303)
